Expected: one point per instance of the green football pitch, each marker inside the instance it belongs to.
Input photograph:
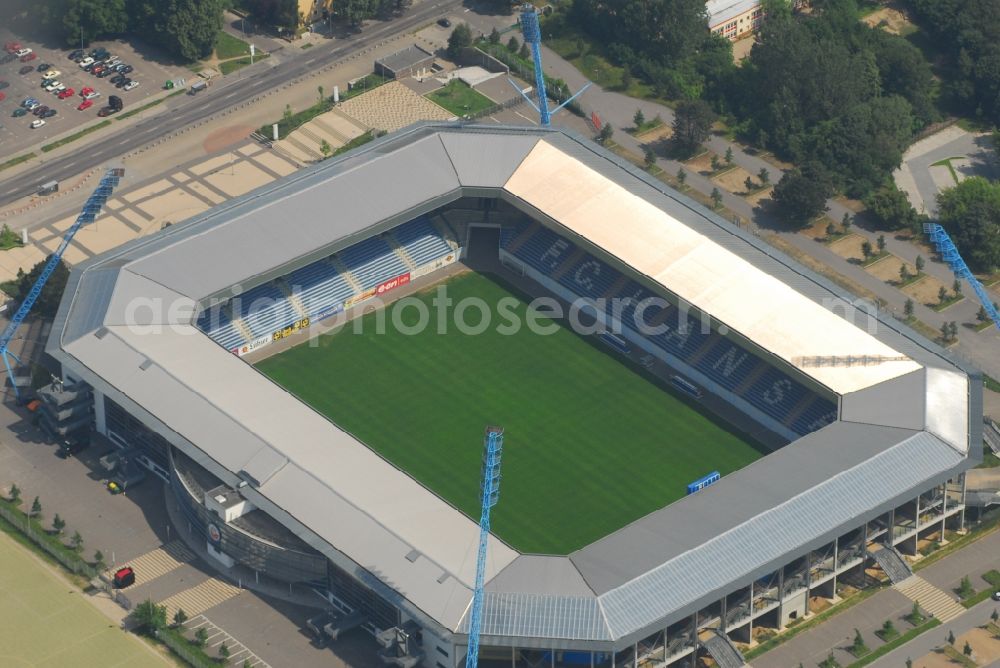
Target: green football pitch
(590, 444)
(45, 622)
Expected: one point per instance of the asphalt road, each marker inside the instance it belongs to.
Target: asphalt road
(228, 93)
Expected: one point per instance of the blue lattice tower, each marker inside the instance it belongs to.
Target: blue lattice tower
(533, 36)
(91, 208)
(489, 495)
(949, 253)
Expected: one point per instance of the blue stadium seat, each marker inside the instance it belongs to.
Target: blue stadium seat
(728, 364)
(775, 394)
(589, 278)
(819, 413)
(372, 261)
(544, 250)
(421, 241)
(319, 286)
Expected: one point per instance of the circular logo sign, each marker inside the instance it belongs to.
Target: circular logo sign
(214, 534)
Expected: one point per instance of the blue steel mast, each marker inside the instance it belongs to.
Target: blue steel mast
(949, 253)
(533, 36)
(91, 209)
(490, 493)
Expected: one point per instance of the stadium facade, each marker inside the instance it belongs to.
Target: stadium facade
(880, 424)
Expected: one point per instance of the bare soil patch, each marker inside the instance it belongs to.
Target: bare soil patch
(924, 291)
(701, 164)
(733, 180)
(849, 247)
(660, 133)
(758, 196)
(887, 269)
(892, 21)
(225, 137)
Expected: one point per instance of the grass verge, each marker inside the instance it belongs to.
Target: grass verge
(360, 140)
(899, 641)
(460, 98)
(981, 531)
(293, 120)
(13, 162)
(227, 46)
(793, 631)
(77, 135)
(230, 66)
(991, 576)
(139, 110)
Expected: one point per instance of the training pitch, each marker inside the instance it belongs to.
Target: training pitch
(590, 444)
(45, 622)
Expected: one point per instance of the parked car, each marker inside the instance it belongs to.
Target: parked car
(124, 577)
(96, 69)
(86, 104)
(39, 110)
(85, 90)
(51, 74)
(100, 53)
(76, 53)
(444, 23)
(49, 113)
(116, 78)
(3, 84)
(105, 73)
(6, 58)
(43, 67)
(20, 111)
(37, 123)
(52, 86)
(27, 69)
(86, 62)
(28, 100)
(21, 53)
(996, 596)
(3, 96)
(28, 58)
(11, 47)
(130, 85)
(106, 111)
(31, 106)
(127, 69)
(63, 94)
(92, 94)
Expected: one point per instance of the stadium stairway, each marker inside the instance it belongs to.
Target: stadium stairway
(752, 378)
(155, 563)
(798, 409)
(893, 564)
(292, 298)
(723, 651)
(446, 231)
(244, 329)
(930, 598)
(400, 252)
(200, 598)
(346, 273)
(523, 237)
(616, 288)
(568, 263)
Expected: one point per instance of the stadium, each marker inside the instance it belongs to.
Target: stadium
(707, 442)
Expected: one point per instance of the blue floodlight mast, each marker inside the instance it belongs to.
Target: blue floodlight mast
(490, 493)
(91, 209)
(533, 36)
(949, 253)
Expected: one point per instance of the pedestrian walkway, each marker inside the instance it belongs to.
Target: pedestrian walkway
(200, 598)
(158, 562)
(239, 654)
(930, 598)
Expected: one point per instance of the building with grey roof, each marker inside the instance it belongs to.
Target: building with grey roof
(881, 472)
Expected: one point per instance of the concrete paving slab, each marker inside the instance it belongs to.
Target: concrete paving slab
(244, 178)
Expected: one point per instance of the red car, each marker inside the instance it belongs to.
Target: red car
(66, 93)
(3, 96)
(124, 577)
(11, 47)
(85, 91)
(28, 58)
(86, 104)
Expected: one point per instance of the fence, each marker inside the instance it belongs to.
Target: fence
(70, 560)
(183, 649)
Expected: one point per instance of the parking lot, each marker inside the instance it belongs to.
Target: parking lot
(16, 133)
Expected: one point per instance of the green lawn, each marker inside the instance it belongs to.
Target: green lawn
(46, 622)
(227, 46)
(590, 444)
(460, 99)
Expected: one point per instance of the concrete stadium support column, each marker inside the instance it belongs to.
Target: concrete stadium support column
(722, 617)
(892, 526)
(781, 598)
(100, 423)
(750, 623)
(944, 510)
(836, 563)
(961, 521)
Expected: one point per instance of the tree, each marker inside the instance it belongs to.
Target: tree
(319, 89)
(200, 636)
(880, 243)
(908, 310)
(58, 524)
(764, 176)
(919, 264)
(801, 194)
(639, 119)
(942, 295)
(749, 185)
(970, 212)
(716, 163)
(525, 52)
(909, 662)
(76, 541)
(831, 229)
(965, 588)
(14, 494)
(649, 157)
(605, 135)
(513, 45)
(99, 560)
(494, 36)
(224, 653)
(716, 198)
(36, 508)
(729, 155)
(891, 209)
(325, 148)
(967, 650)
(945, 336)
(866, 249)
(51, 295)
(981, 314)
(185, 28)
(951, 638)
(904, 273)
(287, 113)
(247, 664)
(692, 125)
(681, 176)
(460, 38)
(148, 617)
(845, 222)
(995, 615)
(888, 628)
(859, 642)
(956, 287)
(180, 617)
(915, 616)
(954, 330)
(627, 78)
(85, 20)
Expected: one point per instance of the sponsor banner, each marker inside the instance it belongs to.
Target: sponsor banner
(259, 342)
(291, 329)
(351, 301)
(392, 283)
(425, 269)
(326, 312)
(214, 535)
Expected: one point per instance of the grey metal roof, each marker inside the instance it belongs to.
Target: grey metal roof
(368, 516)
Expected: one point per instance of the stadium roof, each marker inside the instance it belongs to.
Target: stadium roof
(126, 326)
